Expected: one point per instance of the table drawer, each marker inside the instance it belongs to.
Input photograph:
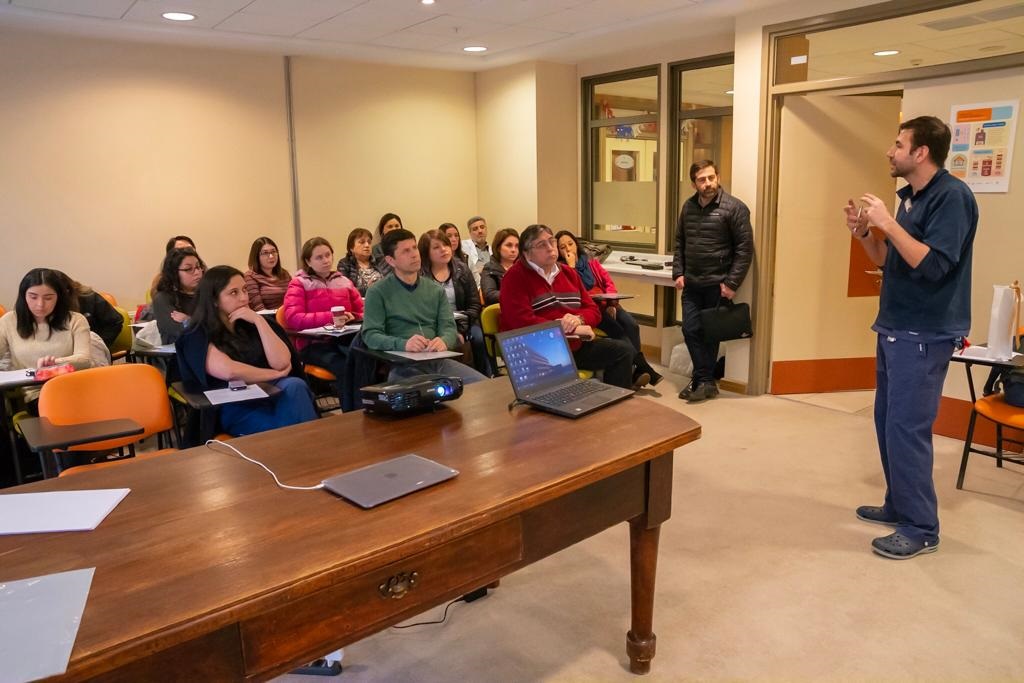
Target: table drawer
(317, 623)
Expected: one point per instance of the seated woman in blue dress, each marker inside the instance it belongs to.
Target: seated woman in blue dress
(227, 340)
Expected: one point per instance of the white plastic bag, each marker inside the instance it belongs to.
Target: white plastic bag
(148, 337)
(1002, 326)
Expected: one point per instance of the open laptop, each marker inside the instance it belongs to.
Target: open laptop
(374, 484)
(544, 375)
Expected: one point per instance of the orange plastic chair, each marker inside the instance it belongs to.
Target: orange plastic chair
(109, 297)
(321, 376)
(132, 391)
(2, 310)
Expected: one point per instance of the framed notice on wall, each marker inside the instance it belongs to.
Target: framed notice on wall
(982, 148)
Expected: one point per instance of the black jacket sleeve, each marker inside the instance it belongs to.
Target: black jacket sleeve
(743, 247)
(103, 318)
(679, 257)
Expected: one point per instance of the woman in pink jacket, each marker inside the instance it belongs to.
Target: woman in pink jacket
(311, 294)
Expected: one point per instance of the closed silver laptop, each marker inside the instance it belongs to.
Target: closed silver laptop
(374, 484)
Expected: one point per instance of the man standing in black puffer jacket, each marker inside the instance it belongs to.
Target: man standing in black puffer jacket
(714, 248)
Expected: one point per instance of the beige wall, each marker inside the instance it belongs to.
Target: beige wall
(558, 161)
(507, 164)
(813, 316)
(110, 148)
(372, 139)
(1000, 242)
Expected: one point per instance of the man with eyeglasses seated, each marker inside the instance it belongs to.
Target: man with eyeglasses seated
(538, 289)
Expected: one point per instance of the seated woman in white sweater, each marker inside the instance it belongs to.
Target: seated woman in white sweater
(42, 329)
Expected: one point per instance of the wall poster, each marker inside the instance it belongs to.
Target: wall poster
(982, 146)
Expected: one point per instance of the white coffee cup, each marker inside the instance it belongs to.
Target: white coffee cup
(338, 313)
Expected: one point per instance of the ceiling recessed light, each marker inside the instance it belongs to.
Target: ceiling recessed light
(728, 92)
(475, 48)
(178, 16)
(426, 2)
(886, 53)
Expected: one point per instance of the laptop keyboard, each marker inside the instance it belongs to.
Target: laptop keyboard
(571, 393)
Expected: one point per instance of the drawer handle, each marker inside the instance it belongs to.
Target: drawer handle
(397, 586)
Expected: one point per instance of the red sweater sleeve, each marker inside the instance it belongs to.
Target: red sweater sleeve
(515, 297)
(602, 278)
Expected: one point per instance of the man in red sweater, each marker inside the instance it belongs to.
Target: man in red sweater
(537, 289)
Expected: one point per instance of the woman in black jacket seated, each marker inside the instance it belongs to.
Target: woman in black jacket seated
(504, 252)
(360, 265)
(226, 341)
(459, 286)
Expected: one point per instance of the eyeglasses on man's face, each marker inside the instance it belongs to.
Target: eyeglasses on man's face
(544, 244)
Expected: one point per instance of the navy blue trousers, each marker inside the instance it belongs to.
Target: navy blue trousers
(910, 376)
(703, 354)
(293, 405)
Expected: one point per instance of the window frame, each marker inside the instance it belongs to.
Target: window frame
(588, 124)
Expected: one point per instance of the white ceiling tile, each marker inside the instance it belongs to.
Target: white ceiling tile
(512, 11)
(208, 13)
(508, 39)
(411, 41)
(1009, 45)
(266, 25)
(386, 17)
(456, 28)
(315, 10)
(106, 9)
(341, 30)
(965, 38)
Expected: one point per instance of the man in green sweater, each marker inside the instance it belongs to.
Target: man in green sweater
(404, 312)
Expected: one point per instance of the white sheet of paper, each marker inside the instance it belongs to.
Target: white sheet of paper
(13, 377)
(331, 331)
(980, 353)
(39, 619)
(34, 513)
(425, 355)
(219, 396)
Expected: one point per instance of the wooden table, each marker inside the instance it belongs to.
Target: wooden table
(208, 571)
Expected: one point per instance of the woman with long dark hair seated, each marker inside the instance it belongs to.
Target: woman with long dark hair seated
(504, 252)
(266, 280)
(455, 278)
(387, 223)
(616, 321)
(42, 330)
(451, 231)
(174, 300)
(226, 341)
(359, 264)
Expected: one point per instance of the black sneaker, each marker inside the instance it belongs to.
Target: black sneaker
(687, 391)
(876, 515)
(896, 546)
(701, 392)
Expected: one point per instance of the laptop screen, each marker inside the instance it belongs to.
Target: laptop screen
(537, 357)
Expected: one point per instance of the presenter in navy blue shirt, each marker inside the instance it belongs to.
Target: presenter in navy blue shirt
(924, 312)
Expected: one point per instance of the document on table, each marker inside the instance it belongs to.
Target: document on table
(39, 619)
(981, 353)
(219, 396)
(331, 330)
(34, 513)
(15, 377)
(425, 355)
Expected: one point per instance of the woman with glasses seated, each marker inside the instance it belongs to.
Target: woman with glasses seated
(360, 265)
(312, 293)
(174, 300)
(266, 280)
(616, 321)
(227, 341)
